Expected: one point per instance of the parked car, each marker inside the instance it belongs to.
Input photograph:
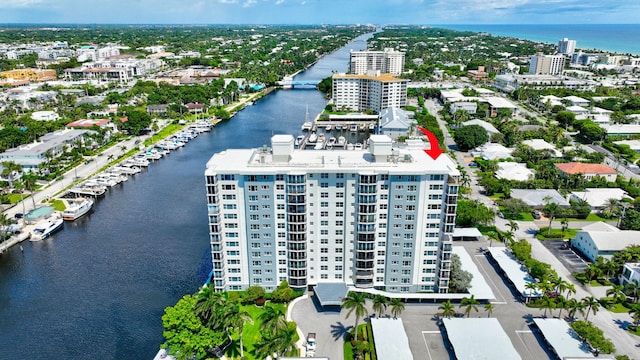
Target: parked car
(536, 214)
(311, 344)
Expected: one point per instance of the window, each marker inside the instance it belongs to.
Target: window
(230, 206)
(252, 188)
(253, 197)
(229, 197)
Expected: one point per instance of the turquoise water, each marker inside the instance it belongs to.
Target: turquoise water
(620, 38)
(39, 212)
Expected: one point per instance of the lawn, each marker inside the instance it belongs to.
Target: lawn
(16, 198)
(618, 308)
(58, 205)
(251, 333)
(166, 131)
(630, 329)
(556, 234)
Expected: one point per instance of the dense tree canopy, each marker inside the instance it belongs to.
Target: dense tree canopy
(472, 213)
(469, 137)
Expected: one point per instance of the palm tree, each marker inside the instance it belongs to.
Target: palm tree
(565, 224)
(9, 169)
(448, 309)
(237, 320)
(575, 306)
(4, 222)
(551, 210)
(488, 307)
(547, 303)
(207, 304)
(513, 226)
(532, 287)
(29, 182)
(470, 303)
(561, 303)
(591, 304)
(379, 304)
(397, 306)
(355, 302)
(634, 311)
(272, 320)
(571, 289)
(617, 293)
(633, 288)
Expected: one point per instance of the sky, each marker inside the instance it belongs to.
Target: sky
(421, 12)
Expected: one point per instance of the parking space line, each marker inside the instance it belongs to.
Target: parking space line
(425, 341)
(518, 332)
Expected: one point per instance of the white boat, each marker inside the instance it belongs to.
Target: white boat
(105, 181)
(372, 127)
(313, 138)
(332, 141)
(319, 145)
(77, 208)
(358, 146)
(299, 140)
(125, 170)
(362, 127)
(153, 155)
(329, 127)
(306, 126)
(342, 141)
(338, 128)
(353, 128)
(137, 161)
(349, 146)
(45, 228)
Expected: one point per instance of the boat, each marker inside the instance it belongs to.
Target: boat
(45, 228)
(332, 141)
(358, 146)
(306, 126)
(342, 141)
(372, 127)
(313, 138)
(328, 127)
(349, 146)
(299, 140)
(353, 128)
(338, 128)
(319, 145)
(362, 127)
(77, 208)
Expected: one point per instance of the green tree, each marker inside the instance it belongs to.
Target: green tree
(272, 320)
(634, 311)
(469, 303)
(379, 304)
(207, 306)
(574, 307)
(565, 118)
(488, 307)
(237, 318)
(448, 309)
(253, 293)
(469, 137)
(471, 213)
(460, 279)
(632, 289)
(355, 303)
(551, 210)
(283, 293)
(185, 334)
(547, 303)
(562, 304)
(397, 306)
(591, 304)
(617, 293)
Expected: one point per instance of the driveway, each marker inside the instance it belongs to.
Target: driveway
(567, 255)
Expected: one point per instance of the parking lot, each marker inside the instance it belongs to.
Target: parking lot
(567, 256)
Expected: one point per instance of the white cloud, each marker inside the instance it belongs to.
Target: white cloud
(249, 3)
(228, 1)
(278, 2)
(19, 3)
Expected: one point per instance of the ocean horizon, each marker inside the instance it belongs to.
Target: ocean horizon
(618, 38)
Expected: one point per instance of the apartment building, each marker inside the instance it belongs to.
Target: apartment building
(541, 64)
(373, 91)
(566, 46)
(388, 61)
(374, 218)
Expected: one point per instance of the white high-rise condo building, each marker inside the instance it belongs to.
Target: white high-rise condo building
(388, 61)
(541, 64)
(373, 91)
(566, 46)
(374, 218)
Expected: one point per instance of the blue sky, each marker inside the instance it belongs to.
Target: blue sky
(321, 11)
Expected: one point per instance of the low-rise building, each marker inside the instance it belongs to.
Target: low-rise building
(605, 241)
(469, 107)
(630, 273)
(540, 144)
(492, 151)
(588, 171)
(514, 171)
(485, 125)
(45, 116)
(395, 122)
(538, 198)
(599, 198)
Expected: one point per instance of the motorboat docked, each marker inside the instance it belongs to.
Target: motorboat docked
(362, 127)
(358, 146)
(331, 141)
(136, 161)
(342, 141)
(126, 170)
(45, 228)
(328, 127)
(313, 138)
(319, 145)
(306, 126)
(89, 188)
(349, 146)
(299, 140)
(338, 128)
(372, 127)
(77, 208)
(353, 128)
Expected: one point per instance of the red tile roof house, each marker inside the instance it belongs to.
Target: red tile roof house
(195, 107)
(588, 171)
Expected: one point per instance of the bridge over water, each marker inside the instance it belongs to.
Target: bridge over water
(288, 82)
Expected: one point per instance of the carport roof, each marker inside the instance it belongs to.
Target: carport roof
(467, 232)
(331, 293)
(565, 342)
(479, 338)
(390, 339)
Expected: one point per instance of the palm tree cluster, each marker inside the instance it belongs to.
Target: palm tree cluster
(448, 310)
(278, 335)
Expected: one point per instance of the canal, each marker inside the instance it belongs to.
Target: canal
(98, 289)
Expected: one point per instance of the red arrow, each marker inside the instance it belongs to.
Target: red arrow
(435, 151)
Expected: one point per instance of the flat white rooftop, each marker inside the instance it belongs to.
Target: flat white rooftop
(479, 339)
(516, 273)
(564, 341)
(390, 339)
(479, 287)
(406, 161)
